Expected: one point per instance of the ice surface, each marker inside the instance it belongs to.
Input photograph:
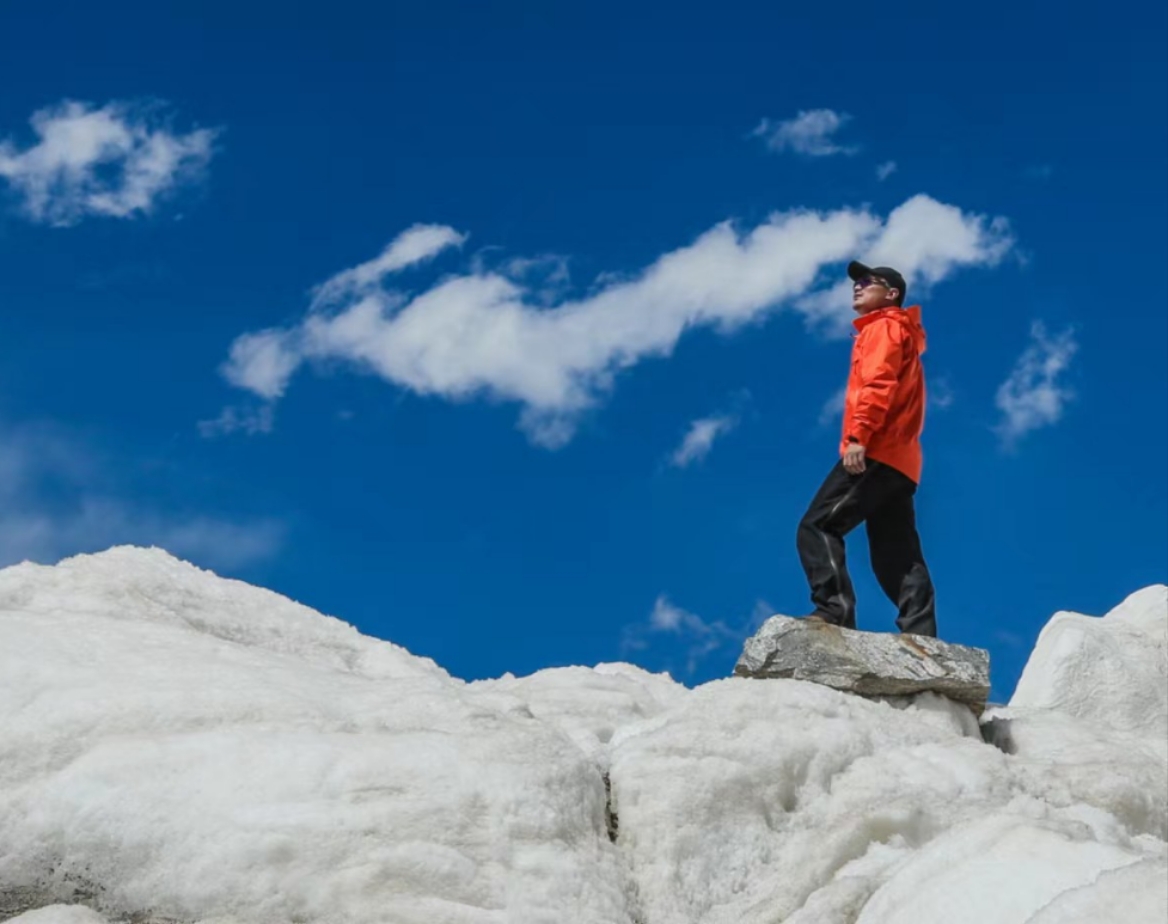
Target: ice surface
(181, 748)
(1135, 893)
(1003, 869)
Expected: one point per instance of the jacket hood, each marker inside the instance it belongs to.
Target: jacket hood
(909, 318)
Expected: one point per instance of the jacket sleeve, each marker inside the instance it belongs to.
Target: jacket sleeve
(880, 365)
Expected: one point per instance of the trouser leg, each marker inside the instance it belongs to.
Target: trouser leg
(899, 564)
(841, 504)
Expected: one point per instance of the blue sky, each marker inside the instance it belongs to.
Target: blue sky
(510, 332)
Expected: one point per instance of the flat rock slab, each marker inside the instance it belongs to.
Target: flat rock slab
(867, 663)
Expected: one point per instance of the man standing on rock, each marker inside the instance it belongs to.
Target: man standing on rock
(880, 465)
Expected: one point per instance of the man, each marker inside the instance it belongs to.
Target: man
(880, 463)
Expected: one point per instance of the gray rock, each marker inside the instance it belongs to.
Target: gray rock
(867, 663)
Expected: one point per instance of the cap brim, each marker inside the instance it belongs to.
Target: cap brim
(857, 270)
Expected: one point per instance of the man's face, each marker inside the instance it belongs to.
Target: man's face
(871, 293)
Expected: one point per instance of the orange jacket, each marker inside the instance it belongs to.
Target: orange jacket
(885, 405)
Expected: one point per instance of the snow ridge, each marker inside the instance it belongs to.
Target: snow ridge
(182, 749)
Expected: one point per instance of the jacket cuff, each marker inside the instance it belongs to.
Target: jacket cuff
(859, 435)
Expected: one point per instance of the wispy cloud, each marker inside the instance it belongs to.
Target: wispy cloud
(239, 419)
(116, 161)
(885, 170)
(699, 438)
(761, 612)
(811, 133)
(1033, 396)
(940, 393)
(1012, 640)
(102, 523)
(413, 246)
(833, 407)
(263, 362)
(482, 333)
(698, 637)
(56, 501)
(546, 277)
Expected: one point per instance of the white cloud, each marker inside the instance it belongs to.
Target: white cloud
(809, 133)
(761, 612)
(833, 407)
(547, 277)
(414, 245)
(99, 524)
(927, 241)
(263, 362)
(239, 419)
(115, 161)
(699, 637)
(552, 267)
(668, 618)
(885, 170)
(699, 439)
(481, 333)
(54, 502)
(940, 393)
(1032, 396)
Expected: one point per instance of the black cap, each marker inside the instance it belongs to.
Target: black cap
(887, 273)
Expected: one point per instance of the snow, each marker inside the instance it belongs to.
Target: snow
(587, 704)
(176, 759)
(1138, 892)
(1003, 869)
(182, 748)
(1093, 702)
(1111, 671)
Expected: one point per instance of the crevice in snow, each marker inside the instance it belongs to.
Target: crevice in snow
(611, 821)
(628, 878)
(996, 731)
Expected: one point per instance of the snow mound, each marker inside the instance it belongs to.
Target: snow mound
(151, 586)
(182, 749)
(1093, 701)
(172, 760)
(754, 802)
(1111, 671)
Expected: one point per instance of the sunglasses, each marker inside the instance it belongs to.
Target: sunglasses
(864, 281)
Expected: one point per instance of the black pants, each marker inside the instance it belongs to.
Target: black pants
(882, 498)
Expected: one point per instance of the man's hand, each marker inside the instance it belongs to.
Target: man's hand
(854, 459)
